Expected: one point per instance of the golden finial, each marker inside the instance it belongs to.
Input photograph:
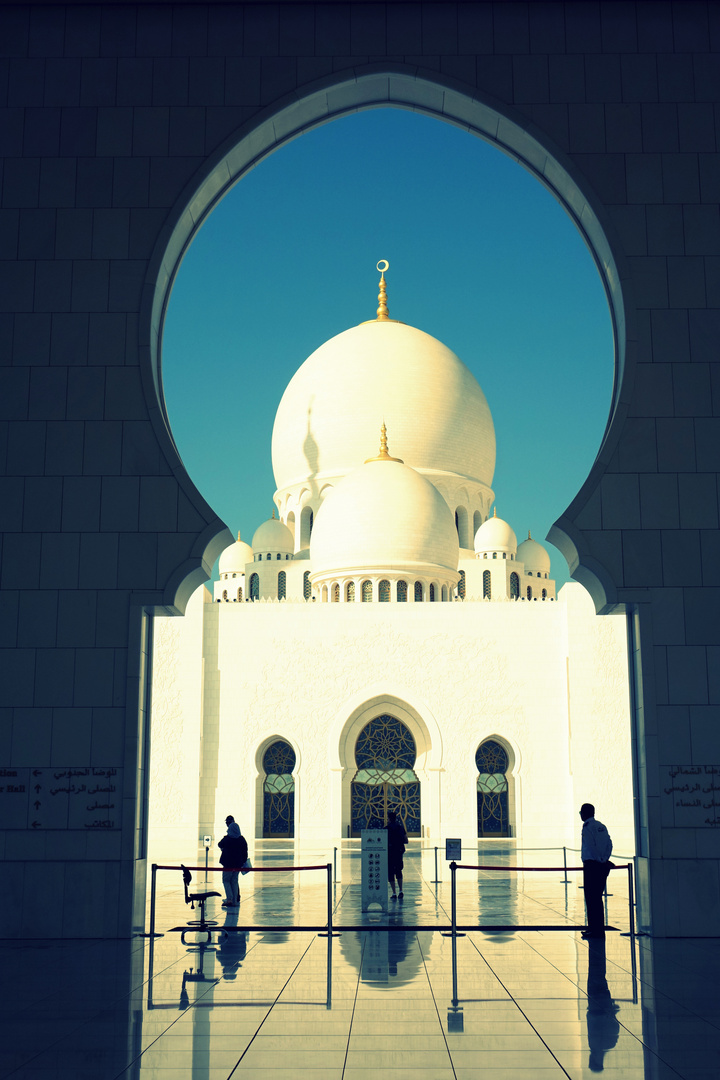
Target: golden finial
(382, 311)
(529, 535)
(273, 515)
(238, 536)
(384, 455)
(494, 511)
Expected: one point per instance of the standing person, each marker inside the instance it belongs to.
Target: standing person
(596, 851)
(233, 852)
(397, 839)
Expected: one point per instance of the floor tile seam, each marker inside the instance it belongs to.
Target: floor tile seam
(352, 1014)
(259, 1027)
(442, 1029)
(521, 1011)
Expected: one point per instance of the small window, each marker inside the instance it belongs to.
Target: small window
(278, 556)
(269, 557)
(418, 592)
(514, 587)
(529, 593)
(402, 592)
(224, 594)
(234, 575)
(504, 555)
(287, 557)
(350, 592)
(484, 554)
(367, 592)
(384, 592)
(444, 592)
(259, 558)
(307, 588)
(494, 554)
(239, 594)
(487, 585)
(432, 594)
(461, 585)
(544, 594)
(254, 587)
(281, 585)
(336, 593)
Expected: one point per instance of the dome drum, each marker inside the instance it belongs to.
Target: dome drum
(390, 585)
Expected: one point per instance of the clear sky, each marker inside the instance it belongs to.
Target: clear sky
(481, 256)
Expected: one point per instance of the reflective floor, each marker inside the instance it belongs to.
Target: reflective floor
(403, 1002)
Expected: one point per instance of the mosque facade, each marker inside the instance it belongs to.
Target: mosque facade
(384, 642)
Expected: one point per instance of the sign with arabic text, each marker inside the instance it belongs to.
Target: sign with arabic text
(690, 796)
(63, 797)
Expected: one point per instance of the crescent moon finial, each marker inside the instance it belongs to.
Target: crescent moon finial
(382, 311)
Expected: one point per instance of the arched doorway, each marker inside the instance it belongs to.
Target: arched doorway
(278, 790)
(492, 764)
(385, 754)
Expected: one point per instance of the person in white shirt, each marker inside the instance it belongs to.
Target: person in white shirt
(595, 853)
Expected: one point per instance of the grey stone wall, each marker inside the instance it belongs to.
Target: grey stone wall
(120, 125)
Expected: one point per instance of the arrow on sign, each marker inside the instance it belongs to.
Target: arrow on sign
(36, 824)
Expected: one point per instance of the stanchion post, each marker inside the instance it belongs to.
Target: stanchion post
(453, 898)
(153, 879)
(566, 879)
(631, 902)
(329, 900)
(335, 877)
(437, 879)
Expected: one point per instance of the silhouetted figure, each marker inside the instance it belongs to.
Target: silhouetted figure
(233, 853)
(397, 839)
(602, 1023)
(595, 853)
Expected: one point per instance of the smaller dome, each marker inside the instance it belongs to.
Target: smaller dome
(234, 558)
(534, 556)
(495, 535)
(273, 536)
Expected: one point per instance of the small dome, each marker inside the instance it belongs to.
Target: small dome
(384, 515)
(273, 536)
(495, 535)
(534, 556)
(234, 558)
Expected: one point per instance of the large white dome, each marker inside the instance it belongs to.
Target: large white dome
(495, 535)
(433, 406)
(383, 516)
(235, 557)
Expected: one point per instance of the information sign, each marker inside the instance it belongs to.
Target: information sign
(374, 866)
(62, 797)
(453, 850)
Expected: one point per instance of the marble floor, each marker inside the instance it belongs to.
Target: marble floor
(394, 997)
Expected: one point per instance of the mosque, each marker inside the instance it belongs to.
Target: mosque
(385, 641)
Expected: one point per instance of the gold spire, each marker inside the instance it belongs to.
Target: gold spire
(494, 511)
(382, 311)
(273, 515)
(384, 455)
(529, 535)
(238, 536)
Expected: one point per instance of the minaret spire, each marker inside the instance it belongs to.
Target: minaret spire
(382, 311)
(384, 455)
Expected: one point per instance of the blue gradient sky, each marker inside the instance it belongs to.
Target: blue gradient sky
(481, 256)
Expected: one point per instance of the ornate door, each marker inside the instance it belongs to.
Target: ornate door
(385, 779)
(279, 790)
(492, 789)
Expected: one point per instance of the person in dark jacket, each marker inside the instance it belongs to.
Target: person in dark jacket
(233, 853)
(397, 839)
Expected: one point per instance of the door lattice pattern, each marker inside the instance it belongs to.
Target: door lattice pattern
(492, 789)
(279, 790)
(385, 779)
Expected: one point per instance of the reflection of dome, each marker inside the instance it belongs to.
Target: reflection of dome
(329, 414)
(384, 516)
(273, 536)
(495, 535)
(234, 558)
(534, 556)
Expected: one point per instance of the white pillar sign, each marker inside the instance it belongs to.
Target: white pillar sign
(374, 861)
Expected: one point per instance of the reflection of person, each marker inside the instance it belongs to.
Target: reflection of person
(233, 853)
(231, 951)
(602, 1023)
(397, 839)
(595, 853)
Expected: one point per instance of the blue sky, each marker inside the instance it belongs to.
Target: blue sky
(481, 256)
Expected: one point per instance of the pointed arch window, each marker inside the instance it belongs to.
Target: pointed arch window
(279, 790)
(239, 594)
(367, 592)
(432, 594)
(282, 584)
(402, 592)
(307, 588)
(529, 593)
(350, 592)
(487, 585)
(461, 585)
(254, 587)
(224, 594)
(514, 586)
(544, 594)
(385, 780)
(384, 591)
(418, 592)
(492, 763)
(444, 593)
(336, 593)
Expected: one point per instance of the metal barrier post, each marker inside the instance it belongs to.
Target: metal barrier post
(335, 877)
(329, 903)
(153, 889)
(437, 879)
(631, 901)
(453, 898)
(566, 879)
